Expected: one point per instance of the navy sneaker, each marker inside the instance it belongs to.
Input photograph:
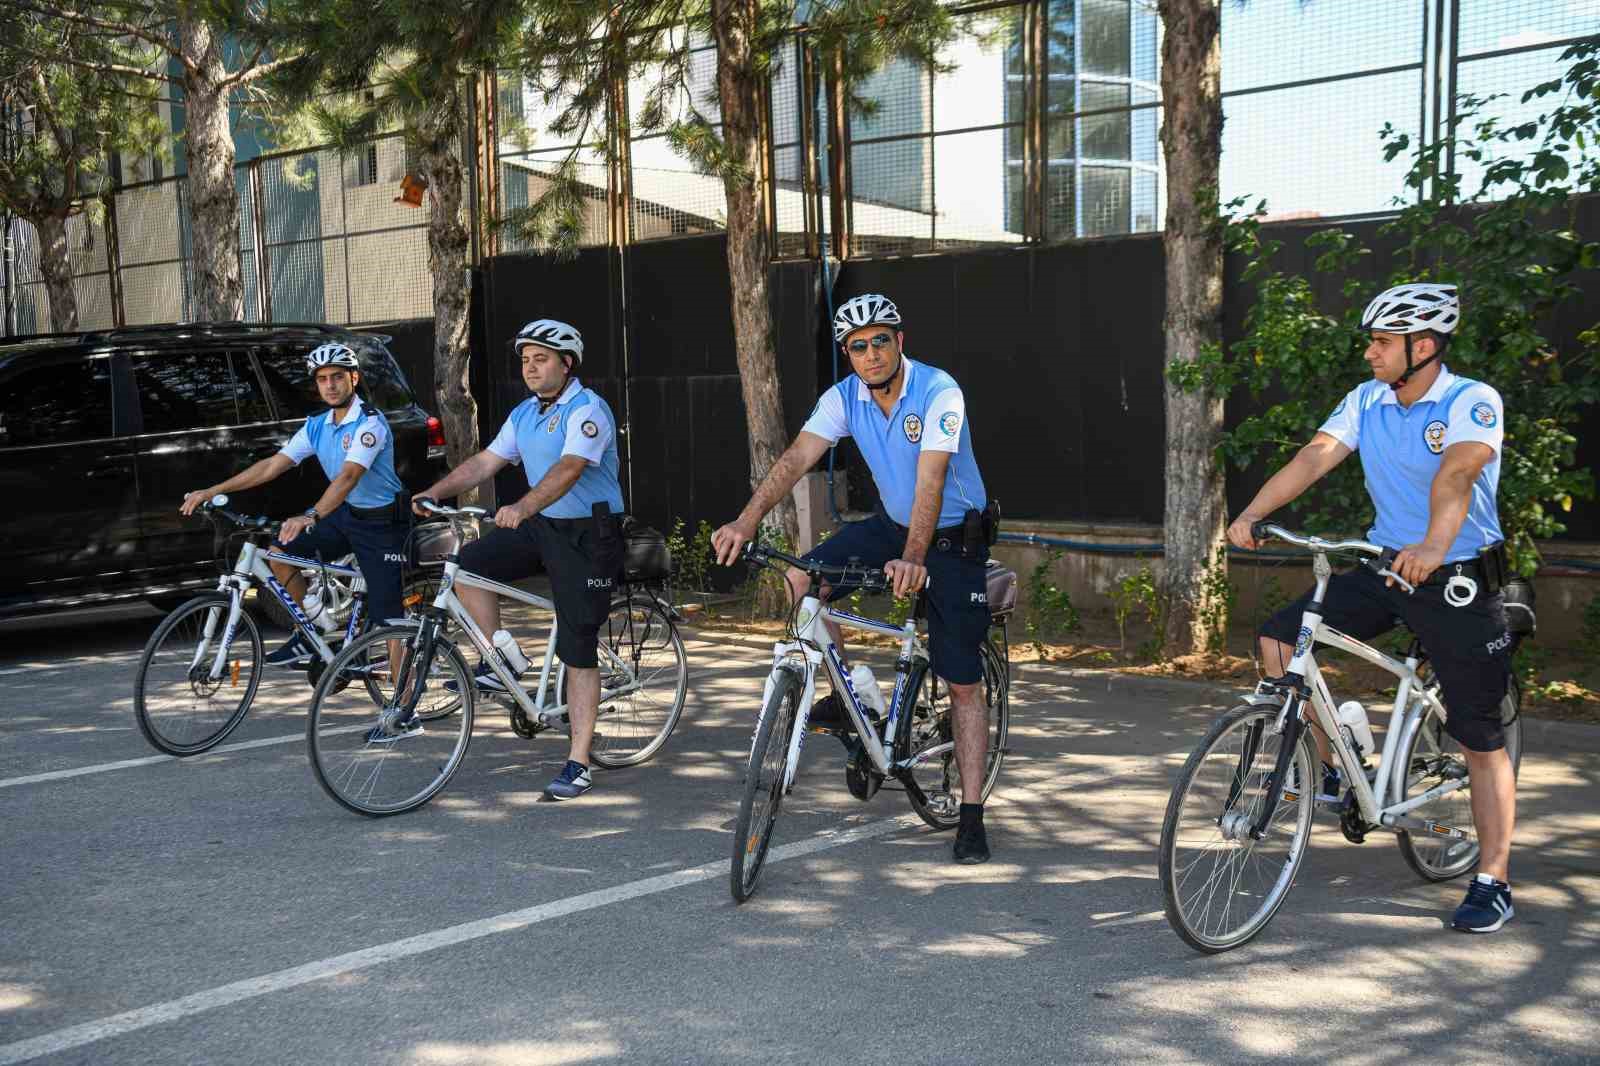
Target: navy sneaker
(390, 729)
(1486, 908)
(296, 651)
(572, 782)
(972, 843)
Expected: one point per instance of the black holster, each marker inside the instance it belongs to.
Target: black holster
(1494, 563)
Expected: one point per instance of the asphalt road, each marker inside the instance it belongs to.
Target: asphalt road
(222, 909)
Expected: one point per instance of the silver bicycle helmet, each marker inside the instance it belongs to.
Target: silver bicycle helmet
(1414, 308)
(551, 334)
(333, 353)
(868, 309)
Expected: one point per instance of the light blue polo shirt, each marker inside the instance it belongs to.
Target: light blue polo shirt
(578, 423)
(930, 416)
(363, 438)
(1402, 449)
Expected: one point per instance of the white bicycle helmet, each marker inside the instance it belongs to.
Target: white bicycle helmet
(551, 334)
(1414, 308)
(868, 309)
(334, 353)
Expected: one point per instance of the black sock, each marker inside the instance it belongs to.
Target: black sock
(972, 812)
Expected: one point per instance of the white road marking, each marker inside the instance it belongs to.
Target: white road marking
(1132, 919)
(149, 760)
(74, 664)
(226, 995)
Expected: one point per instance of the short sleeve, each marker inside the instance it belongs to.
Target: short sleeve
(942, 421)
(370, 438)
(1477, 415)
(299, 448)
(1344, 425)
(827, 420)
(505, 442)
(589, 433)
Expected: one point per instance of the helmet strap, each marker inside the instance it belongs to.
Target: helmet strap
(887, 382)
(1411, 368)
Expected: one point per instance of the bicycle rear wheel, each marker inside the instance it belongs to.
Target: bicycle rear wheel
(181, 709)
(642, 688)
(1433, 758)
(1221, 886)
(360, 754)
(932, 739)
(763, 784)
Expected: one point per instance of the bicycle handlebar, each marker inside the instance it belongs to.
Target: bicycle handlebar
(870, 579)
(1267, 531)
(434, 507)
(217, 507)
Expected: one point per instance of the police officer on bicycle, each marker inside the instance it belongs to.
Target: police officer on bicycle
(1430, 444)
(364, 509)
(567, 525)
(910, 421)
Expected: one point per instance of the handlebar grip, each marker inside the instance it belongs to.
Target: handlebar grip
(1260, 530)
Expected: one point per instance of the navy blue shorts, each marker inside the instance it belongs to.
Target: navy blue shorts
(1468, 646)
(380, 550)
(958, 607)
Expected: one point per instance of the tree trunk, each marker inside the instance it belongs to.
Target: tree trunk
(213, 198)
(55, 266)
(1191, 139)
(739, 88)
(439, 150)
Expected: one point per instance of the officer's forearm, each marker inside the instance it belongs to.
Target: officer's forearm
(777, 484)
(338, 489)
(475, 471)
(257, 473)
(924, 515)
(1448, 501)
(556, 483)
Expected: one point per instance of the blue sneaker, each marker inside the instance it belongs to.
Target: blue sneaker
(572, 782)
(1486, 908)
(296, 651)
(483, 678)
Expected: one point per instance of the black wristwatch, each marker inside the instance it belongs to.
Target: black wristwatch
(311, 513)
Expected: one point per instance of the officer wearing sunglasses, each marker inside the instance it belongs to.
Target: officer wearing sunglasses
(910, 422)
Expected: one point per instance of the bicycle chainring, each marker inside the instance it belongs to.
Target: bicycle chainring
(522, 725)
(1351, 824)
(859, 776)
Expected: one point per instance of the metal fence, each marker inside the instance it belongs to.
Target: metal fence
(1041, 124)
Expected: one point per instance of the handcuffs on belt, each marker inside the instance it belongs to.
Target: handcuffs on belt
(1460, 590)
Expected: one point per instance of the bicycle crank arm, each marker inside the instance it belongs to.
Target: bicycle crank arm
(1422, 825)
(934, 752)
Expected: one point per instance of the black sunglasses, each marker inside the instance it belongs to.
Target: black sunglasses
(882, 340)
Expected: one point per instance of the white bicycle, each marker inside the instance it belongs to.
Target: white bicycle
(914, 743)
(1239, 820)
(369, 763)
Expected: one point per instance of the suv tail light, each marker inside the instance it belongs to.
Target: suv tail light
(435, 432)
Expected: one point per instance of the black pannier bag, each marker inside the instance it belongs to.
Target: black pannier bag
(1002, 589)
(429, 543)
(1520, 619)
(645, 557)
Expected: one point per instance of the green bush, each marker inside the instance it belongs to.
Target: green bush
(1512, 249)
(1050, 609)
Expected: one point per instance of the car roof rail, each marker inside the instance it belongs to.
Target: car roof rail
(210, 328)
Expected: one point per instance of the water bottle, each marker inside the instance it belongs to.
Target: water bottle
(1353, 719)
(312, 606)
(506, 645)
(867, 691)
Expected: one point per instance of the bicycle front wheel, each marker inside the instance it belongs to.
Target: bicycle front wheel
(1434, 758)
(644, 676)
(181, 708)
(763, 784)
(385, 758)
(1221, 885)
(932, 741)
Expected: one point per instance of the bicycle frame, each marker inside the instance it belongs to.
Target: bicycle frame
(1411, 704)
(251, 569)
(814, 646)
(447, 603)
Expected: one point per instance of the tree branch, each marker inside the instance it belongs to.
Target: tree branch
(99, 68)
(252, 72)
(124, 28)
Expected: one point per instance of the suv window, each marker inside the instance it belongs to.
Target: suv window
(184, 390)
(284, 367)
(57, 403)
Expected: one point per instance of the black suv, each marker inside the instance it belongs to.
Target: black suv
(101, 434)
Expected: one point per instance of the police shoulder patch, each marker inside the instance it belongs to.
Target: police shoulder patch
(1483, 414)
(368, 439)
(589, 429)
(1433, 436)
(913, 428)
(949, 422)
